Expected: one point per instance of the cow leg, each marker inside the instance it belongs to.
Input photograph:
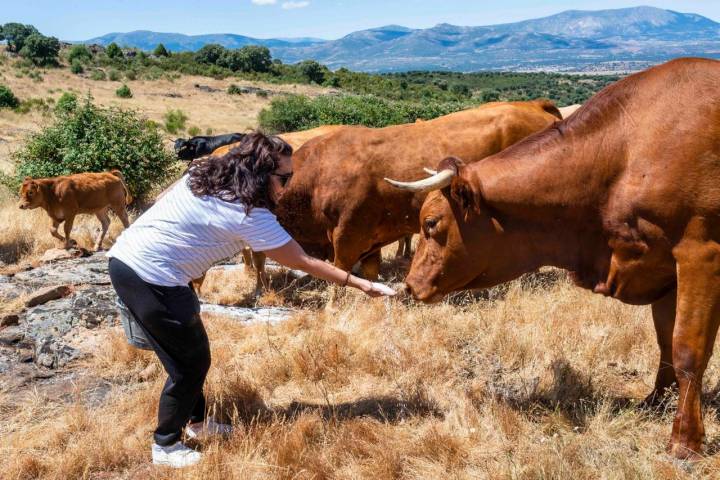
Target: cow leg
(102, 215)
(54, 229)
(121, 212)
(664, 319)
(408, 246)
(261, 282)
(696, 325)
(370, 266)
(68, 228)
(247, 254)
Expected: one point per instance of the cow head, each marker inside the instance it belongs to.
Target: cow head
(30, 194)
(184, 149)
(462, 246)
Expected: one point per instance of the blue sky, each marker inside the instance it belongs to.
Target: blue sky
(83, 19)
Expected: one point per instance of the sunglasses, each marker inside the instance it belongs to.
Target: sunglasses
(284, 177)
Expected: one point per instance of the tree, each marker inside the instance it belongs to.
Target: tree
(79, 53)
(7, 98)
(41, 50)
(210, 53)
(16, 33)
(113, 51)
(256, 58)
(313, 71)
(161, 51)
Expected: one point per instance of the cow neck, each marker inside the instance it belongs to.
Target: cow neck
(545, 191)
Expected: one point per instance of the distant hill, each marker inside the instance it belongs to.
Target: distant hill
(569, 41)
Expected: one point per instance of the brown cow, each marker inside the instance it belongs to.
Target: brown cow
(624, 194)
(337, 204)
(67, 196)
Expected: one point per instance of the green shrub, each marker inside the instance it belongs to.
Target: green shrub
(175, 121)
(113, 51)
(90, 138)
(124, 92)
(41, 50)
(38, 104)
(234, 90)
(296, 112)
(8, 98)
(113, 75)
(131, 74)
(313, 71)
(208, 131)
(98, 75)
(66, 103)
(161, 51)
(194, 131)
(76, 67)
(79, 53)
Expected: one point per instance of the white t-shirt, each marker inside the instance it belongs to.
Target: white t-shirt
(182, 236)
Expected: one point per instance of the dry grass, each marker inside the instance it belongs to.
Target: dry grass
(539, 383)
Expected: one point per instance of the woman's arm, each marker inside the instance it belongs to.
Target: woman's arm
(293, 256)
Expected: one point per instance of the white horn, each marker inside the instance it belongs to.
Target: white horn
(430, 171)
(438, 181)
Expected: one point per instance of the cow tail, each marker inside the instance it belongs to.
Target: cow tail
(549, 107)
(118, 174)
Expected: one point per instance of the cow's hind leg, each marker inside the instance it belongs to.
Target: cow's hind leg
(696, 325)
(121, 212)
(261, 280)
(664, 319)
(102, 215)
(68, 228)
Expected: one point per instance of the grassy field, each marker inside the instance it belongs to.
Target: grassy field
(539, 382)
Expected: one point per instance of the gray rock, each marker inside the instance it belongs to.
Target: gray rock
(53, 353)
(270, 315)
(91, 270)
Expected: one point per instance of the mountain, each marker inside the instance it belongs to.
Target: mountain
(573, 40)
(176, 42)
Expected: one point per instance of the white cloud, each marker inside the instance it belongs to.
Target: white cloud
(291, 5)
(264, 2)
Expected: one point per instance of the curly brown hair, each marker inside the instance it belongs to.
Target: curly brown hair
(243, 174)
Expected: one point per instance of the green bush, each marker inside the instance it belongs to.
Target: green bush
(296, 112)
(76, 67)
(113, 75)
(175, 121)
(8, 98)
(90, 138)
(66, 103)
(234, 90)
(131, 74)
(80, 53)
(16, 33)
(113, 51)
(194, 131)
(41, 50)
(38, 104)
(313, 71)
(98, 75)
(124, 92)
(161, 51)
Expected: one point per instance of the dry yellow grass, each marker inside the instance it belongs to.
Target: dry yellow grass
(539, 383)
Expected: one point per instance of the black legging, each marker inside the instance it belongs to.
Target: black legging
(170, 316)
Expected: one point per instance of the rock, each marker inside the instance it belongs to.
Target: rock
(92, 270)
(9, 319)
(270, 315)
(55, 254)
(11, 336)
(44, 295)
(52, 353)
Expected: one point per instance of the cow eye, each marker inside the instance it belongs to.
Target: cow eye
(430, 224)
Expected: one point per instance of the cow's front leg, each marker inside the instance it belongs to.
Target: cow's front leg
(55, 224)
(664, 319)
(696, 325)
(102, 215)
(68, 228)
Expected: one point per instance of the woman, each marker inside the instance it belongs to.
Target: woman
(218, 206)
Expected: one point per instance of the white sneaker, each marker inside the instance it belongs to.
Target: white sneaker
(177, 455)
(208, 428)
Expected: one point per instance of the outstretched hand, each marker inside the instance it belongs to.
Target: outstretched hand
(380, 290)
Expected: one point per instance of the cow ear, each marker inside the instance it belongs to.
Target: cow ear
(466, 194)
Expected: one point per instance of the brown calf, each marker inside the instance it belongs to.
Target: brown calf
(65, 197)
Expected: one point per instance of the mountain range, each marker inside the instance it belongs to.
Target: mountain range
(574, 40)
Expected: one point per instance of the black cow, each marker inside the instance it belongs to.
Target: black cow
(196, 147)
